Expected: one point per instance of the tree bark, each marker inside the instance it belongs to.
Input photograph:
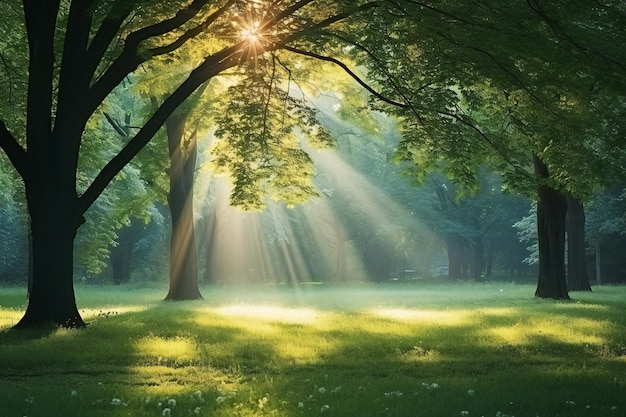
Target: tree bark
(121, 255)
(183, 256)
(577, 275)
(551, 211)
(53, 227)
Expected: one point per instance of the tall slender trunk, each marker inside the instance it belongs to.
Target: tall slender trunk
(577, 276)
(551, 211)
(478, 265)
(183, 256)
(598, 263)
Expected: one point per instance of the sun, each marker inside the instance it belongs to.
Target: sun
(252, 29)
(251, 33)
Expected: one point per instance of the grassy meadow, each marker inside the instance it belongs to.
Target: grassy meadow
(403, 350)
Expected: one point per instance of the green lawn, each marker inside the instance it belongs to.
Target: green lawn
(316, 350)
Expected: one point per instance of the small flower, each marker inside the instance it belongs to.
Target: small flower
(321, 390)
(570, 402)
(171, 402)
(147, 399)
(300, 404)
(166, 412)
(196, 411)
(324, 408)
(465, 413)
(73, 393)
(198, 394)
(220, 399)
(470, 392)
(116, 401)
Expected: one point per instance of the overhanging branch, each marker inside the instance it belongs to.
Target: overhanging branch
(349, 72)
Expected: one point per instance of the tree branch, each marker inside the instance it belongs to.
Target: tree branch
(349, 72)
(211, 66)
(15, 152)
(563, 35)
(193, 32)
(129, 59)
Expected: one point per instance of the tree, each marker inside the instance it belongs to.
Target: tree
(479, 94)
(96, 45)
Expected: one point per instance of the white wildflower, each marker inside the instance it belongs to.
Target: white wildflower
(321, 390)
(220, 399)
(569, 402)
(465, 413)
(74, 393)
(324, 408)
(171, 402)
(196, 411)
(116, 401)
(167, 412)
(470, 392)
(300, 404)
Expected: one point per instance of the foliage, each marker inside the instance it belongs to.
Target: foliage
(257, 137)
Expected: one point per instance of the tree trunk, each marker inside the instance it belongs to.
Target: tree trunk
(551, 211)
(53, 226)
(577, 276)
(598, 264)
(121, 254)
(183, 257)
(478, 265)
(456, 258)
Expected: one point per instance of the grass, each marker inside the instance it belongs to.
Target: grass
(366, 350)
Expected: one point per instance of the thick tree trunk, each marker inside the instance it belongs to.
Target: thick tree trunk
(551, 211)
(577, 276)
(183, 256)
(51, 294)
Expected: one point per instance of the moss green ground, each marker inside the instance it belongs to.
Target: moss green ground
(362, 350)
